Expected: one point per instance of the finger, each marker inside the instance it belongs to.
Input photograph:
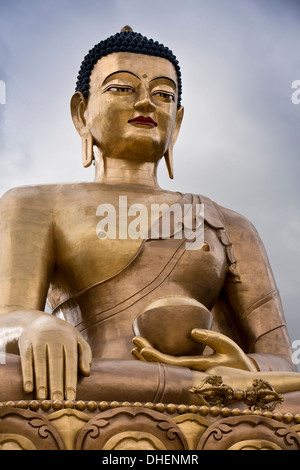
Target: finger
(40, 372)
(56, 371)
(227, 352)
(71, 371)
(217, 341)
(141, 342)
(153, 355)
(136, 353)
(200, 363)
(27, 366)
(84, 357)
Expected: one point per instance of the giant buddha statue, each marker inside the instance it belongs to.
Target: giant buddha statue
(143, 317)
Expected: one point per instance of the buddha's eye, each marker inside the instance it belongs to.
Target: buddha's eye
(122, 90)
(164, 96)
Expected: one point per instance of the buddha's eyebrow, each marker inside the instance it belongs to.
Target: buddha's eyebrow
(131, 73)
(120, 71)
(166, 78)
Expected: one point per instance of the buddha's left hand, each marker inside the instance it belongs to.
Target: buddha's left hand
(226, 353)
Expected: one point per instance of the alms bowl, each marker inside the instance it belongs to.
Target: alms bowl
(168, 328)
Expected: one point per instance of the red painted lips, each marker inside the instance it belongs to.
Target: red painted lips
(146, 121)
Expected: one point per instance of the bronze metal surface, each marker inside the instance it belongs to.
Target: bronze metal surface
(98, 287)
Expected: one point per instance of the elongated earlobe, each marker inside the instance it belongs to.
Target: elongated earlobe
(78, 107)
(169, 153)
(87, 149)
(169, 161)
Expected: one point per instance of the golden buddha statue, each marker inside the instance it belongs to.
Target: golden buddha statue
(136, 318)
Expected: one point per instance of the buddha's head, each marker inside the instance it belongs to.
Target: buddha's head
(128, 100)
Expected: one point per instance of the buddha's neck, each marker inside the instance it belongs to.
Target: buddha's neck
(117, 171)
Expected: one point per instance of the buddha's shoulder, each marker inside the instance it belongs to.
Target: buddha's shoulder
(44, 195)
(240, 228)
(236, 223)
(46, 192)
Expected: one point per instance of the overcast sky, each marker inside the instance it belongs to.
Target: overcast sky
(240, 140)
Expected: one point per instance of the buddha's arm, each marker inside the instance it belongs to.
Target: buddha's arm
(253, 306)
(27, 258)
(26, 250)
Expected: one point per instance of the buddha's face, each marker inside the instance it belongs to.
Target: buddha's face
(131, 110)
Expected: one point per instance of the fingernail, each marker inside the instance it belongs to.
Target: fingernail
(28, 387)
(70, 394)
(42, 393)
(57, 396)
(200, 334)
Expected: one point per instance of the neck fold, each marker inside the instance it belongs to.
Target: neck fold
(118, 171)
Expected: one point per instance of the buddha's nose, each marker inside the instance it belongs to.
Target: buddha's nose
(145, 104)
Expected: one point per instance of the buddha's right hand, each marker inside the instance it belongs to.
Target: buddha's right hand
(52, 353)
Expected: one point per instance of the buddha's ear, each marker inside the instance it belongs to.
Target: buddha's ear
(169, 153)
(78, 107)
(178, 122)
